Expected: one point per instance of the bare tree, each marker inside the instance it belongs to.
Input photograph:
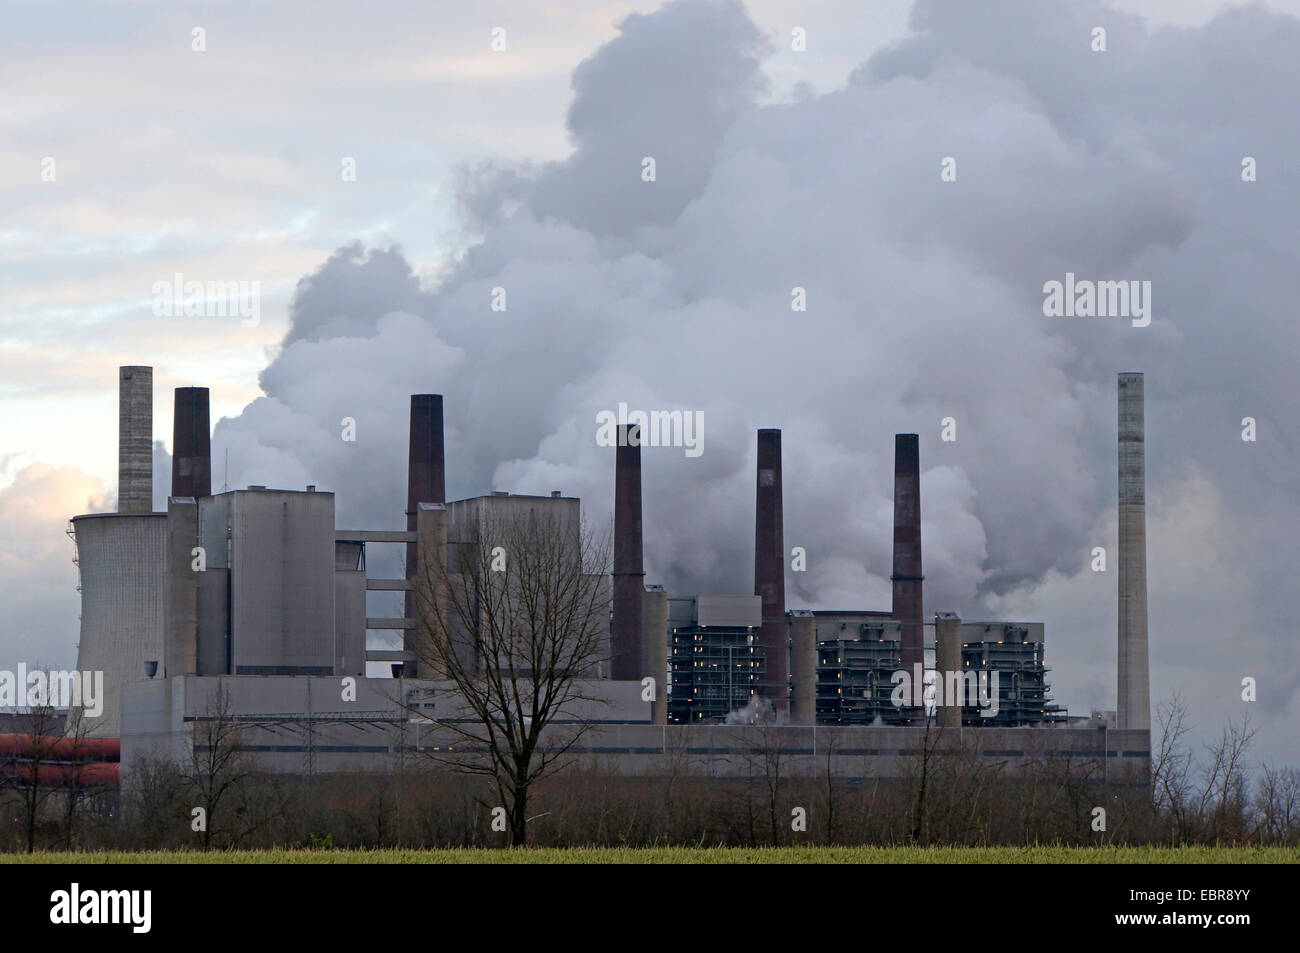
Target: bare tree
(217, 766)
(1201, 801)
(1278, 804)
(1171, 766)
(153, 800)
(1223, 794)
(930, 741)
(834, 785)
(76, 731)
(45, 725)
(516, 617)
(763, 743)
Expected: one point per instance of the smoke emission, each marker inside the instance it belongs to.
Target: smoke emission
(924, 301)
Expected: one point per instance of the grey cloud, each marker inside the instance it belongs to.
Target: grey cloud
(924, 302)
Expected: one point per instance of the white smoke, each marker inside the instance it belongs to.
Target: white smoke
(924, 302)
(756, 711)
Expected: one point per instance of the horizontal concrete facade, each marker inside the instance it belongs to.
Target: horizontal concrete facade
(291, 723)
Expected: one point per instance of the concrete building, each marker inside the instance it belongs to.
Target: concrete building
(487, 530)
(861, 654)
(857, 656)
(273, 553)
(716, 658)
(1013, 650)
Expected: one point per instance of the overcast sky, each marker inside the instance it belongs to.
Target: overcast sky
(775, 168)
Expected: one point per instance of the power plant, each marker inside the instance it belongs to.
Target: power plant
(257, 596)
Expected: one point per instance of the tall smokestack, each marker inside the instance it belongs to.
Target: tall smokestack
(425, 483)
(627, 626)
(947, 660)
(656, 649)
(907, 548)
(1134, 700)
(769, 571)
(135, 440)
(191, 444)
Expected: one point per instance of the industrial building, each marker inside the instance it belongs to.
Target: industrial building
(855, 675)
(716, 661)
(257, 593)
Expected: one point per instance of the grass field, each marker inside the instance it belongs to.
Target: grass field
(688, 855)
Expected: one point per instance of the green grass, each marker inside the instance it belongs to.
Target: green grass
(690, 855)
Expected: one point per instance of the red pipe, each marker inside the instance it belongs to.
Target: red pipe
(60, 749)
(57, 774)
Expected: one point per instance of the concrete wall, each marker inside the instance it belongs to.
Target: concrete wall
(1025, 632)
(181, 626)
(123, 565)
(681, 612)
(729, 610)
(214, 622)
(349, 609)
(293, 723)
(469, 519)
(377, 732)
(832, 625)
(474, 525)
(281, 557)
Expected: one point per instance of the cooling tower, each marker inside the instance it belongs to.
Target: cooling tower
(769, 572)
(122, 560)
(1133, 709)
(627, 622)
